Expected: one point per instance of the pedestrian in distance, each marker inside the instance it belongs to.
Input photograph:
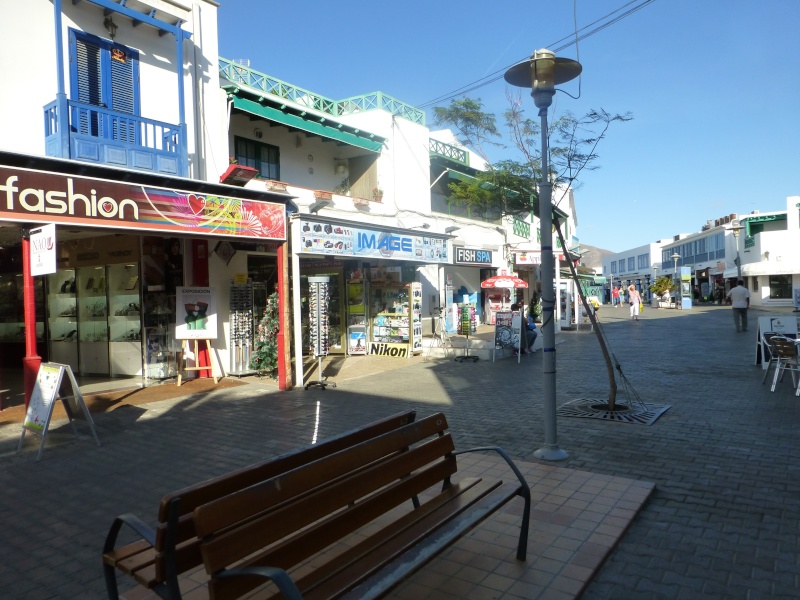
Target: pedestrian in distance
(532, 333)
(636, 300)
(740, 302)
(615, 297)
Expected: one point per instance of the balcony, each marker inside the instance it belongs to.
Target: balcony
(100, 135)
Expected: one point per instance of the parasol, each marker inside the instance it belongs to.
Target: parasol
(504, 281)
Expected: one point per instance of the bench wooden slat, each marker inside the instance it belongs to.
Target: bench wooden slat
(232, 546)
(201, 493)
(340, 524)
(186, 554)
(426, 546)
(318, 579)
(222, 513)
(307, 542)
(124, 552)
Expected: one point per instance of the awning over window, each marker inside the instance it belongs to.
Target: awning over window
(312, 124)
(771, 267)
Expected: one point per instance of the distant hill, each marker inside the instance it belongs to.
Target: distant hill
(592, 257)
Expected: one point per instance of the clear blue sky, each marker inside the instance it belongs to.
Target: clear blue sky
(713, 86)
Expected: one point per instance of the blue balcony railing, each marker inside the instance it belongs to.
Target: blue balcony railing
(105, 136)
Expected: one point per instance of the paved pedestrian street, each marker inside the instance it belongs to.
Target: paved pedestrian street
(704, 503)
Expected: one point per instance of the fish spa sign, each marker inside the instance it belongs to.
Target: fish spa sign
(471, 256)
(40, 196)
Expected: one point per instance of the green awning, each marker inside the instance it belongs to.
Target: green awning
(311, 124)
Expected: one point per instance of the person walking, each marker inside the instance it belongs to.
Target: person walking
(636, 300)
(615, 297)
(740, 302)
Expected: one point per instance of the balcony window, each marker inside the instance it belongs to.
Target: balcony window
(106, 75)
(264, 158)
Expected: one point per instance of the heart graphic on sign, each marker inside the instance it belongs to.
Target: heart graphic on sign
(108, 206)
(196, 203)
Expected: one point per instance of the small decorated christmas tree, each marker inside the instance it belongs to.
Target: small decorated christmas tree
(265, 351)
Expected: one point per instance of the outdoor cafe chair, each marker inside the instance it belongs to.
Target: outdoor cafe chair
(768, 355)
(786, 350)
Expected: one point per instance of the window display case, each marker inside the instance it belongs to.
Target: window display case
(357, 317)
(159, 334)
(396, 310)
(124, 320)
(92, 302)
(62, 317)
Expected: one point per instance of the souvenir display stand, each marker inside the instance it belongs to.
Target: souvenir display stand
(241, 329)
(396, 316)
(159, 327)
(357, 317)
(466, 326)
(318, 325)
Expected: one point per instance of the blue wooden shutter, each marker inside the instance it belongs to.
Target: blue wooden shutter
(123, 91)
(89, 85)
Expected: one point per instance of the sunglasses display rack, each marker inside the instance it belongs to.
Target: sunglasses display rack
(241, 328)
(318, 294)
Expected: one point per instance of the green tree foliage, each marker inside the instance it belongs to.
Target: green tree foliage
(265, 351)
(661, 285)
(508, 187)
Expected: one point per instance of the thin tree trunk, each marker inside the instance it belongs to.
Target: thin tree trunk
(612, 382)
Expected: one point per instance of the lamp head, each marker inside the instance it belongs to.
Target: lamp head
(542, 72)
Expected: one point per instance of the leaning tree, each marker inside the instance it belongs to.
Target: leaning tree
(509, 186)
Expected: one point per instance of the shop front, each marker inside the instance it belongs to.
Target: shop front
(373, 286)
(125, 245)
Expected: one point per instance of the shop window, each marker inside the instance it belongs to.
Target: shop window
(106, 75)
(264, 158)
(755, 284)
(780, 287)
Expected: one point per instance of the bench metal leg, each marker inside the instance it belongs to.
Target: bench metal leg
(110, 573)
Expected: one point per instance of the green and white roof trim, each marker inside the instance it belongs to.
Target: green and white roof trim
(276, 100)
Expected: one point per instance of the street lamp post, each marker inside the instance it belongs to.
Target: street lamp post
(542, 73)
(675, 256)
(735, 228)
(655, 280)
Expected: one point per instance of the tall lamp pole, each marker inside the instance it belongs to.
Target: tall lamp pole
(542, 73)
(735, 229)
(675, 256)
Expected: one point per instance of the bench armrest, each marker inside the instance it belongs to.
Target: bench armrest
(143, 529)
(278, 576)
(526, 493)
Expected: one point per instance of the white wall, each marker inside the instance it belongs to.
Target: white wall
(30, 76)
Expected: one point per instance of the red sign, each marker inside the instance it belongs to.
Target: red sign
(39, 196)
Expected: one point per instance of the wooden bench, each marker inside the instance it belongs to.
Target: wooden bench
(163, 552)
(353, 524)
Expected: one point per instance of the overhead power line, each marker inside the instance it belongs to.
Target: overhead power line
(572, 39)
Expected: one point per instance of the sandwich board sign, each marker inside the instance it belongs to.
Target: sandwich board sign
(40, 408)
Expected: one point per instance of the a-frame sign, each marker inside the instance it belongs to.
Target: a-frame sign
(40, 409)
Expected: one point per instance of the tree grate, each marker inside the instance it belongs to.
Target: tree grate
(640, 414)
